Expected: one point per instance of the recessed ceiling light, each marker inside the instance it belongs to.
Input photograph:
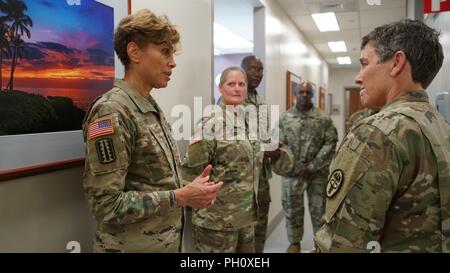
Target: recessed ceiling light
(338, 46)
(344, 60)
(326, 21)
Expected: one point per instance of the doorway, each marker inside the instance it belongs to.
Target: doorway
(353, 102)
(237, 26)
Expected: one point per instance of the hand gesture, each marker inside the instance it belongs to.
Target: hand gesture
(200, 193)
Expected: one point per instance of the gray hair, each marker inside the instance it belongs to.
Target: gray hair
(419, 42)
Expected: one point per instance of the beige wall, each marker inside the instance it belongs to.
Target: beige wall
(43, 213)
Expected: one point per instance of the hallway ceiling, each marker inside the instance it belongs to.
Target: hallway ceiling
(356, 18)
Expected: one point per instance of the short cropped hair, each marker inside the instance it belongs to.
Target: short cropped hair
(308, 83)
(144, 27)
(419, 42)
(246, 61)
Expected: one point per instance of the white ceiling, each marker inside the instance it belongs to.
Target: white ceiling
(355, 17)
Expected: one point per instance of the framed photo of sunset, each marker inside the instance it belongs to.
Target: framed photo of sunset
(56, 57)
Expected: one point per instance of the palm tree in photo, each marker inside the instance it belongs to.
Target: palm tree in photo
(5, 49)
(19, 51)
(14, 11)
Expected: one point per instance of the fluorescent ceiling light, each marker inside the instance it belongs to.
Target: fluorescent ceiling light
(326, 21)
(225, 38)
(344, 60)
(337, 46)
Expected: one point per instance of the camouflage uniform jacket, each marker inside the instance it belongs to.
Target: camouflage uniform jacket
(389, 181)
(253, 98)
(236, 163)
(360, 115)
(312, 138)
(130, 169)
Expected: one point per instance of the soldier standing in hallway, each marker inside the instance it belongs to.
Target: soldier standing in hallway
(227, 226)
(132, 176)
(312, 138)
(390, 180)
(254, 69)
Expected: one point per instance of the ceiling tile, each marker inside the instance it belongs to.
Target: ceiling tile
(348, 20)
(374, 18)
(306, 22)
(356, 18)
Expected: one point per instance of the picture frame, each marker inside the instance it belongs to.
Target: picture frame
(23, 155)
(292, 83)
(321, 97)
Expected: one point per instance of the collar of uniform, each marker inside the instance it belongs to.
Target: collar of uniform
(310, 113)
(252, 97)
(145, 104)
(231, 115)
(411, 96)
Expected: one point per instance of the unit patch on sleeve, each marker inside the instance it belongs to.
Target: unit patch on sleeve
(99, 128)
(334, 183)
(105, 150)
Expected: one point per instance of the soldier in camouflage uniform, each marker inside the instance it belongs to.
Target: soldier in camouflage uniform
(312, 138)
(390, 180)
(254, 69)
(228, 225)
(132, 173)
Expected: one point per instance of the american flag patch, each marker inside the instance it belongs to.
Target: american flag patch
(100, 128)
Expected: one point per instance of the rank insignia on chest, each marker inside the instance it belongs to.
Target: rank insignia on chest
(105, 150)
(334, 183)
(99, 128)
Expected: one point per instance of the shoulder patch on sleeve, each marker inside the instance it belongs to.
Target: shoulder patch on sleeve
(105, 150)
(100, 127)
(334, 183)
